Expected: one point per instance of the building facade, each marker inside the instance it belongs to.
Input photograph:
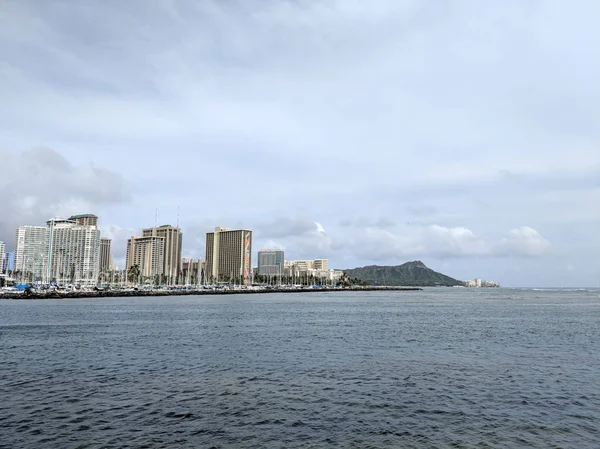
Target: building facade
(478, 283)
(318, 268)
(321, 264)
(31, 253)
(270, 262)
(73, 252)
(148, 254)
(229, 255)
(10, 261)
(105, 263)
(3, 257)
(172, 238)
(85, 220)
(303, 265)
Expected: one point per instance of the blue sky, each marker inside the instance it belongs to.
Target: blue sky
(464, 134)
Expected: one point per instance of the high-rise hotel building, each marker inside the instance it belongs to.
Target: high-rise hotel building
(148, 254)
(73, 250)
(229, 255)
(3, 257)
(105, 263)
(31, 253)
(157, 252)
(172, 238)
(65, 251)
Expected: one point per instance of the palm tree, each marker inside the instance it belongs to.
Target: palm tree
(134, 273)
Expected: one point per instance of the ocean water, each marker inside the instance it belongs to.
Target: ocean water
(440, 368)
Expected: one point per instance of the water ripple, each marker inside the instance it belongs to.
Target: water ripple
(436, 368)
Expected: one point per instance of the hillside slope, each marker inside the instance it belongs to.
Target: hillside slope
(409, 274)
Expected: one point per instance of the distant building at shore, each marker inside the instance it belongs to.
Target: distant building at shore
(317, 268)
(2, 257)
(229, 255)
(479, 283)
(296, 267)
(105, 263)
(147, 253)
(171, 251)
(270, 262)
(31, 252)
(157, 252)
(73, 250)
(321, 264)
(66, 251)
(10, 261)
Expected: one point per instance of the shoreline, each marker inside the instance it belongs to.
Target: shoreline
(144, 293)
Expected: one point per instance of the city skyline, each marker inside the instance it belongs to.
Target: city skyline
(362, 133)
(43, 238)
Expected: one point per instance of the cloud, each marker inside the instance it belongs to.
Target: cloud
(40, 183)
(442, 242)
(432, 128)
(364, 222)
(272, 73)
(289, 227)
(421, 210)
(299, 237)
(194, 237)
(306, 238)
(523, 241)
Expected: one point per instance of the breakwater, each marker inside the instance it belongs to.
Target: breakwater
(137, 293)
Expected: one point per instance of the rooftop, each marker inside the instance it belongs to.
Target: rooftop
(73, 217)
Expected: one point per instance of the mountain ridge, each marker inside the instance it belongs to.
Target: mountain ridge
(414, 274)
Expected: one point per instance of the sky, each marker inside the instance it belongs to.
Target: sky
(464, 134)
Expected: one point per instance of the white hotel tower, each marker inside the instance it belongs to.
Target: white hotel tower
(73, 251)
(31, 253)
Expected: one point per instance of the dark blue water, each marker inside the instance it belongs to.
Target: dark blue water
(439, 368)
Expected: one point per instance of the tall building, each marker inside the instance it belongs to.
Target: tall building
(321, 264)
(302, 265)
(10, 261)
(229, 255)
(85, 220)
(172, 249)
(318, 268)
(2, 257)
(105, 262)
(270, 262)
(31, 253)
(148, 254)
(73, 251)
